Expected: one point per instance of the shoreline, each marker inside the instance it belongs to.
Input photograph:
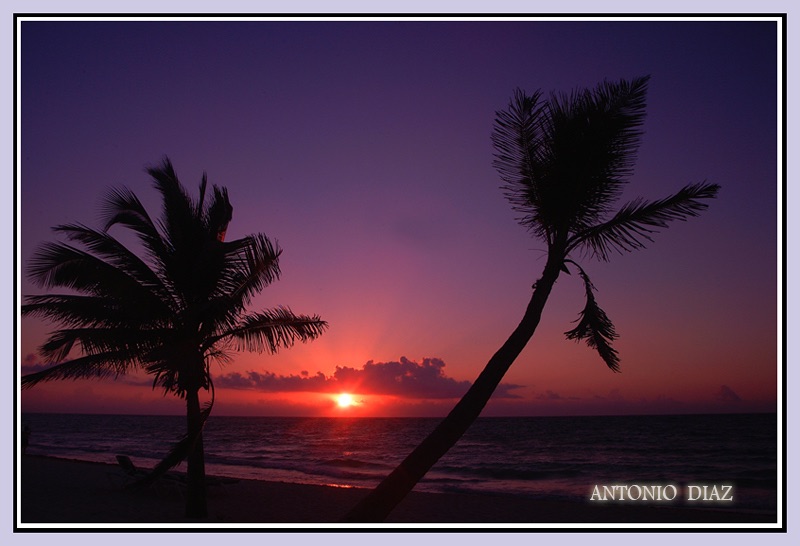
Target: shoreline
(66, 491)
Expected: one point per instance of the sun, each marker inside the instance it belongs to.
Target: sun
(345, 400)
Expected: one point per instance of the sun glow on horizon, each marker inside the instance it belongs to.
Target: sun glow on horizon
(345, 400)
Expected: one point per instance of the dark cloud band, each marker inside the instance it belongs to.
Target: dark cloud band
(406, 378)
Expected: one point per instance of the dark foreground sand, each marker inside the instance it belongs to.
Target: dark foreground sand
(75, 492)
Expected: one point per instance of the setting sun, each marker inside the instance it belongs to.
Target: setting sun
(345, 400)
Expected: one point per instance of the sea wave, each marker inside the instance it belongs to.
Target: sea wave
(542, 457)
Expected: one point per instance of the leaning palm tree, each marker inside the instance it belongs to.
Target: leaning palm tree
(170, 309)
(564, 162)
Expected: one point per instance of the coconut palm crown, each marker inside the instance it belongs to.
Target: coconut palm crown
(564, 161)
(170, 309)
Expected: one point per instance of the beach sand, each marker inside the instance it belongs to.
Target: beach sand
(61, 491)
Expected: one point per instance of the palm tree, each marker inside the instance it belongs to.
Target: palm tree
(564, 162)
(170, 312)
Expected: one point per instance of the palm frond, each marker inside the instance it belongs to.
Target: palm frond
(631, 228)
(177, 216)
(253, 263)
(249, 265)
(97, 366)
(219, 214)
(201, 202)
(590, 145)
(130, 340)
(93, 311)
(56, 264)
(195, 259)
(564, 161)
(271, 330)
(595, 327)
(113, 252)
(121, 206)
(177, 365)
(517, 138)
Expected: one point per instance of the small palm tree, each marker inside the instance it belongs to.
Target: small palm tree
(564, 162)
(171, 311)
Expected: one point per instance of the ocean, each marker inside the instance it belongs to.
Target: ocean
(539, 457)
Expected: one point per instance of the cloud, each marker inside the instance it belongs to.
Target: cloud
(727, 395)
(549, 395)
(406, 378)
(31, 364)
(271, 382)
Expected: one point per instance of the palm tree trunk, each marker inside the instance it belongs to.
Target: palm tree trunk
(195, 462)
(382, 500)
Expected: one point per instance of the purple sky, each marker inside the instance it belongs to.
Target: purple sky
(363, 148)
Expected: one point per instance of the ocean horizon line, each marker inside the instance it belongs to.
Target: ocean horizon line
(339, 417)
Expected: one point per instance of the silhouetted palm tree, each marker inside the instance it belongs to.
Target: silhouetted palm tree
(170, 311)
(564, 162)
